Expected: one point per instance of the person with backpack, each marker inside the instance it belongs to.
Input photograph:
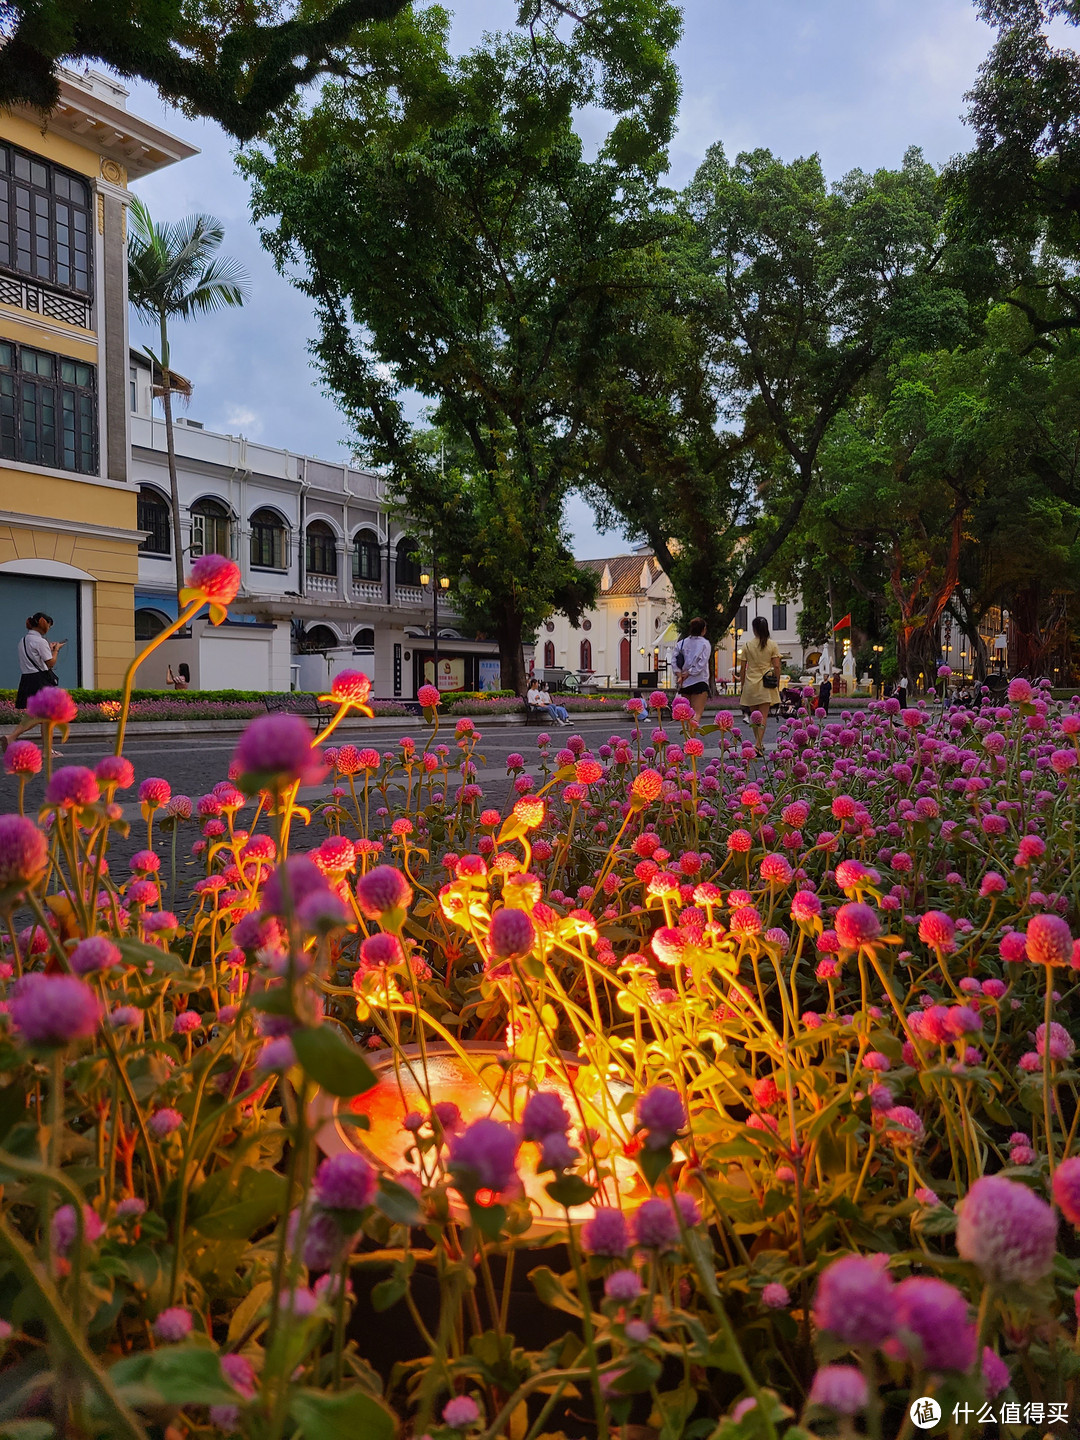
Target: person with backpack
(691, 660)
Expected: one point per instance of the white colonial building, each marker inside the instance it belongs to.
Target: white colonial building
(630, 632)
(331, 579)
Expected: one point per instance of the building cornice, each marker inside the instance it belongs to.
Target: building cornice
(22, 521)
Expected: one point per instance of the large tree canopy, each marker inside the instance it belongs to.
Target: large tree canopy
(240, 63)
(457, 243)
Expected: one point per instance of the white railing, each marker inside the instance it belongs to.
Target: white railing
(321, 584)
(367, 590)
(412, 595)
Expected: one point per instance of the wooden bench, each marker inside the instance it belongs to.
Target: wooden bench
(536, 714)
(298, 702)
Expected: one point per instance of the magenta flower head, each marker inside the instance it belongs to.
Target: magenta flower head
(995, 1373)
(805, 906)
(65, 1227)
(71, 787)
(1067, 1189)
(116, 771)
(482, 1157)
(54, 1010)
(1020, 691)
(173, 1325)
(606, 1234)
(384, 894)
(646, 787)
(840, 1388)
(775, 1296)
(937, 929)
(544, 1114)
(24, 852)
(661, 1114)
(154, 791)
(856, 1300)
(936, 1315)
(461, 1412)
(655, 1225)
(22, 757)
(1007, 1231)
(301, 876)
(856, 925)
(274, 753)
(53, 705)
(623, 1286)
(92, 956)
(165, 1121)
(214, 579)
(1048, 940)
(345, 1182)
(428, 695)
(380, 951)
(512, 933)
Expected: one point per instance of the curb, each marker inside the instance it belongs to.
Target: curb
(99, 730)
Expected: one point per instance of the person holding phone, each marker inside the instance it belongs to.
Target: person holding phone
(759, 676)
(37, 668)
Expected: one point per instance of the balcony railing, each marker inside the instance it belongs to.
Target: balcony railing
(321, 584)
(368, 590)
(412, 594)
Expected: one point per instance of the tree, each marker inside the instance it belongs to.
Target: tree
(241, 64)
(175, 273)
(458, 244)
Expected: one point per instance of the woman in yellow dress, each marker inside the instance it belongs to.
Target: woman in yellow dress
(758, 658)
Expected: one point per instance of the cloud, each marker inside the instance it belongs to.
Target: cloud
(244, 422)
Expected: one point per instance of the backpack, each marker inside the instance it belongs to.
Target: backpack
(680, 659)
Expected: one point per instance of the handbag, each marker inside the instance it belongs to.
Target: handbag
(771, 680)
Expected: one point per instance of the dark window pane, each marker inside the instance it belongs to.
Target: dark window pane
(22, 166)
(153, 515)
(7, 353)
(45, 223)
(7, 416)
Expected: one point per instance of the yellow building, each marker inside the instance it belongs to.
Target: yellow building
(69, 543)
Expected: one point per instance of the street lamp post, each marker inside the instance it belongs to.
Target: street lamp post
(437, 582)
(878, 652)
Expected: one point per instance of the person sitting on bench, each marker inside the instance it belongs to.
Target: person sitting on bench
(539, 699)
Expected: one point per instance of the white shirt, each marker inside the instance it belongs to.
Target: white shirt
(35, 652)
(695, 651)
(533, 697)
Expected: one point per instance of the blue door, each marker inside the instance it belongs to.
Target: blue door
(20, 596)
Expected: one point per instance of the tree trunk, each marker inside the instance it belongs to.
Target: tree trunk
(170, 448)
(508, 632)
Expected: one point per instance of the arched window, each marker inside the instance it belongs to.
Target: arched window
(407, 565)
(364, 639)
(269, 540)
(149, 623)
(321, 549)
(586, 655)
(366, 556)
(152, 513)
(549, 655)
(211, 532)
(318, 637)
(624, 659)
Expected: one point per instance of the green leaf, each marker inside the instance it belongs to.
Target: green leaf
(353, 1415)
(570, 1190)
(26, 1430)
(397, 1203)
(179, 1374)
(332, 1062)
(552, 1290)
(242, 1209)
(488, 1219)
(145, 957)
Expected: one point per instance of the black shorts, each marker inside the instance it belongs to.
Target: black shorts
(31, 684)
(701, 688)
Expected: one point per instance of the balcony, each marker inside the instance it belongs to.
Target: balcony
(369, 590)
(322, 585)
(412, 595)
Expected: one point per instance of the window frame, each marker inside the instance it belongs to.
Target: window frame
(58, 230)
(408, 567)
(585, 656)
(323, 532)
(48, 419)
(146, 547)
(223, 517)
(779, 618)
(372, 547)
(275, 528)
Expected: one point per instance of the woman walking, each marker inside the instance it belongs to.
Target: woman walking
(37, 669)
(692, 655)
(759, 676)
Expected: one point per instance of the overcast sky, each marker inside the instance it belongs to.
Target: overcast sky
(855, 80)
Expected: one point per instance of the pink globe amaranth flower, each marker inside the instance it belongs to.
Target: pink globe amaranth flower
(428, 695)
(588, 772)
(995, 1373)
(1066, 1189)
(544, 1114)
(805, 906)
(655, 1225)
(661, 1114)
(992, 884)
(775, 1296)
(24, 851)
(1013, 947)
(145, 862)
(131, 1208)
(116, 771)
(483, 1156)
(623, 1286)
(65, 1228)
(905, 1126)
(300, 876)
(647, 785)
(856, 1300)
(936, 1314)
(740, 841)
(154, 791)
(512, 933)
(606, 1234)
(164, 1122)
(279, 1054)
(22, 757)
(52, 704)
(351, 686)
(173, 1325)
(1048, 940)
(53, 1010)
(776, 870)
(1020, 691)
(840, 1388)
(345, 1182)
(187, 1022)
(857, 925)
(274, 752)
(215, 578)
(937, 929)
(461, 1412)
(72, 786)
(1062, 1045)
(379, 952)
(324, 1238)
(94, 955)
(240, 1373)
(745, 921)
(1007, 1231)
(383, 891)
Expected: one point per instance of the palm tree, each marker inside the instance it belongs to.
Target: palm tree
(175, 272)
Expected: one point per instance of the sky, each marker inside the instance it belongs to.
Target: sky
(856, 81)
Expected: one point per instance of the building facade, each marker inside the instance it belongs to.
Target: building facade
(630, 632)
(332, 579)
(69, 535)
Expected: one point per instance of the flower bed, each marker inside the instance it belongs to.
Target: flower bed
(796, 1038)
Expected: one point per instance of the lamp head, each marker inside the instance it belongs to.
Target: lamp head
(425, 578)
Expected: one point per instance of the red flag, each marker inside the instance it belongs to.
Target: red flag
(843, 624)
